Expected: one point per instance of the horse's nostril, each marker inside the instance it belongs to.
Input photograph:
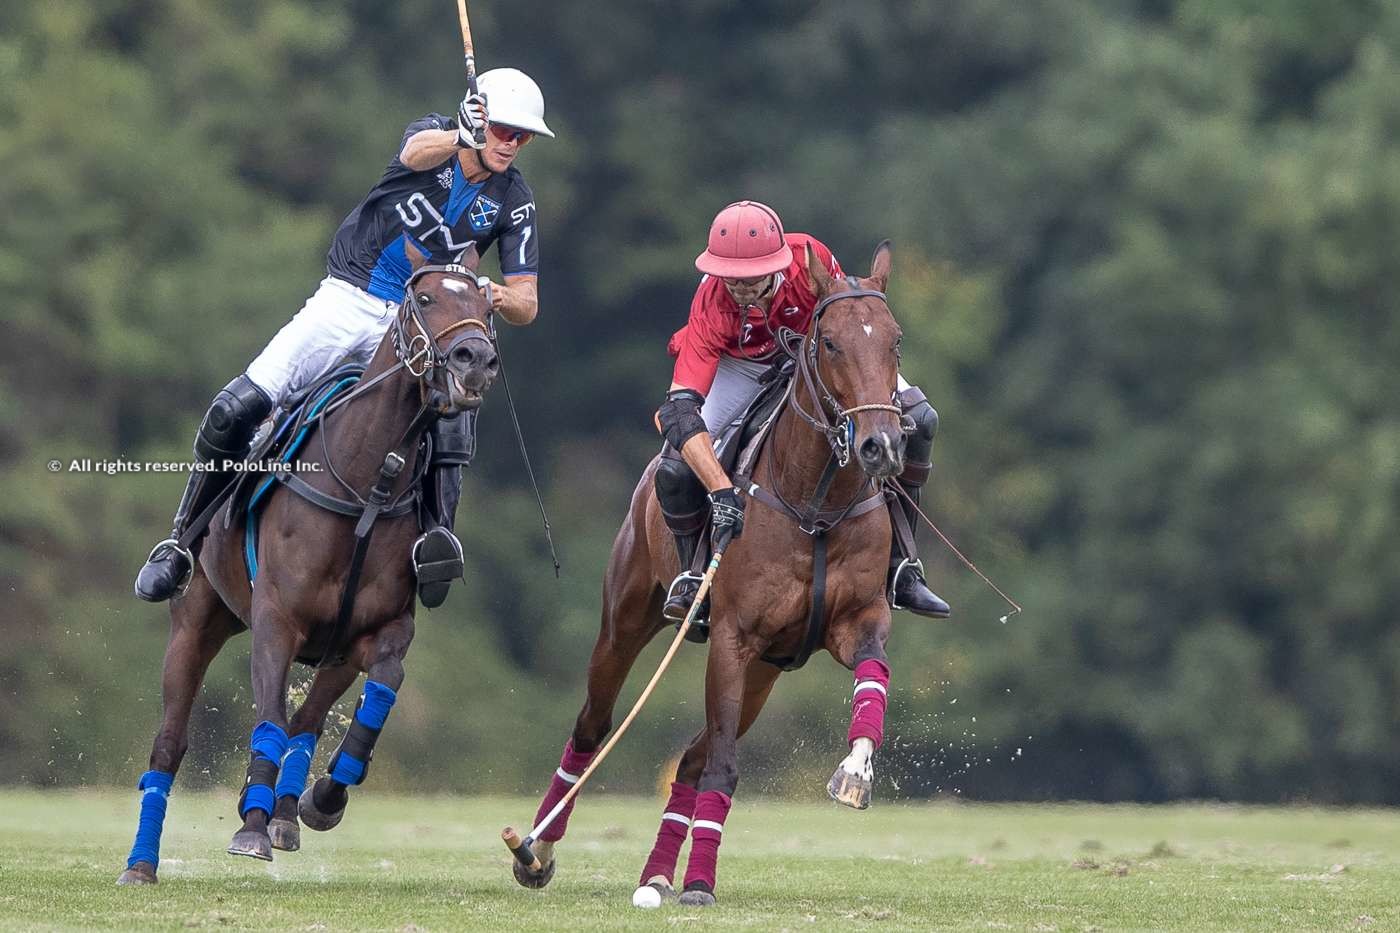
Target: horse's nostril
(463, 355)
(870, 450)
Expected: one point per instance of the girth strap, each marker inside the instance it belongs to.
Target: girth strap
(378, 500)
(823, 522)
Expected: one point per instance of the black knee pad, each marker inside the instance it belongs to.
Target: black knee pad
(919, 446)
(678, 489)
(232, 418)
(454, 439)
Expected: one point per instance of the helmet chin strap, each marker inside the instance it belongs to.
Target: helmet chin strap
(480, 163)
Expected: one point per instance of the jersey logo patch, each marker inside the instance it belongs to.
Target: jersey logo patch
(483, 213)
(444, 177)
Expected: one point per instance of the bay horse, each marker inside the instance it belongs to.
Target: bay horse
(308, 561)
(765, 616)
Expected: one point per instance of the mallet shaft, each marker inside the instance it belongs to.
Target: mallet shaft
(636, 708)
(469, 58)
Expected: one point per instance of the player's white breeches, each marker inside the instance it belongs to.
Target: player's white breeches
(338, 324)
(736, 384)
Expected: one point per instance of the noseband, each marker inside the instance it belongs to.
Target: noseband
(828, 418)
(416, 347)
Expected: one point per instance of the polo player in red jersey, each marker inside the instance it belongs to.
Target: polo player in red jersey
(756, 281)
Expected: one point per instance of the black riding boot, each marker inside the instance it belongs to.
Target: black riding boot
(683, 505)
(437, 554)
(224, 434)
(907, 588)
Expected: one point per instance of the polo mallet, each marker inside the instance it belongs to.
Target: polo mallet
(520, 848)
(470, 57)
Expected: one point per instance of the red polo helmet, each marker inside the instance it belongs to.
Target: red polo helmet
(746, 240)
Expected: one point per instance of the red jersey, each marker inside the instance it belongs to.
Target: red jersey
(718, 327)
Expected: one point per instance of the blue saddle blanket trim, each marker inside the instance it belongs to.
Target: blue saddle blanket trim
(312, 405)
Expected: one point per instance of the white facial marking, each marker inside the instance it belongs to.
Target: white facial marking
(868, 329)
(456, 286)
(888, 442)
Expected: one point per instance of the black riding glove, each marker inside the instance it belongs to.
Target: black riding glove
(726, 517)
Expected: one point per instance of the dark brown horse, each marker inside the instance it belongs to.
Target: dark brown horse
(438, 357)
(762, 618)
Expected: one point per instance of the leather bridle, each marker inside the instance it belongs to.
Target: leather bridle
(827, 415)
(420, 350)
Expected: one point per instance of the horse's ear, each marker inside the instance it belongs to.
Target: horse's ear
(415, 257)
(469, 257)
(816, 271)
(880, 266)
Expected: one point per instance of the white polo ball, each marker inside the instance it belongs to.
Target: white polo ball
(646, 897)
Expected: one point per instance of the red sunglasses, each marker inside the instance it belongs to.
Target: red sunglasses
(508, 134)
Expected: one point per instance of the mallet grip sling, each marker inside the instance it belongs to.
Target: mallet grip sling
(520, 848)
(470, 61)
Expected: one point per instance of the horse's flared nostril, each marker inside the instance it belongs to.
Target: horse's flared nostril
(872, 451)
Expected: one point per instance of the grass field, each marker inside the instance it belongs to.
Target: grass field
(437, 864)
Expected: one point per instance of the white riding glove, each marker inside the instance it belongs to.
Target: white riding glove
(471, 121)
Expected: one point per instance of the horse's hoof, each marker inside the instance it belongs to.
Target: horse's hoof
(311, 816)
(696, 897)
(532, 879)
(654, 893)
(252, 844)
(140, 873)
(285, 835)
(849, 789)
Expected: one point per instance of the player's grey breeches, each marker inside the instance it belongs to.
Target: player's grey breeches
(736, 385)
(340, 323)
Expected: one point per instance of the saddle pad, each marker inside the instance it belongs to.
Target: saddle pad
(288, 434)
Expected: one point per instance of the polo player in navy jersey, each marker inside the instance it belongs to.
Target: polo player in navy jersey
(441, 192)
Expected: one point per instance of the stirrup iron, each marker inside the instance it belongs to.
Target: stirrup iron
(173, 544)
(419, 567)
(683, 577)
(904, 565)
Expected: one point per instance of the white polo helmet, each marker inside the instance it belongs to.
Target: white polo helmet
(514, 99)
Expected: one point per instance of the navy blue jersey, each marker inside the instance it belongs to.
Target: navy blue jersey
(440, 212)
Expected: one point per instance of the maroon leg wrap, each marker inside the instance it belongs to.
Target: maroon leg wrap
(572, 764)
(711, 809)
(868, 704)
(675, 824)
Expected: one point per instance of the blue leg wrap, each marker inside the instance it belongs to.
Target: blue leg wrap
(155, 793)
(347, 769)
(296, 765)
(374, 709)
(269, 743)
(351, 761)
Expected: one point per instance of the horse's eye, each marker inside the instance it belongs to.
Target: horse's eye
(425, 299)
(830, 347)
